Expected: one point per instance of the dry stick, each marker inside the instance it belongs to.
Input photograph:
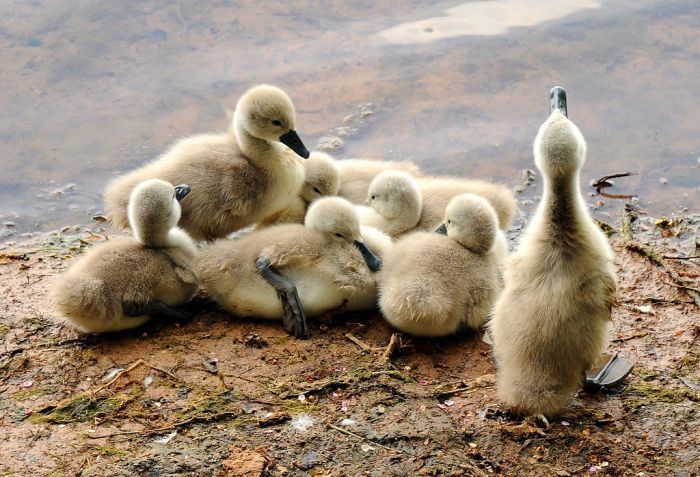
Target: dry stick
(349, 433)
(177, 425)
(684, 287)
(452, 392)
(135, 365)
(631, 337)
(649, 253)
(391, 347)
(161, 370)
(692, 257)
(242, 378)
(364, 346)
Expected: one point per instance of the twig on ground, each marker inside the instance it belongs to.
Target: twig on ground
(363, 346)
(391, 347)
(655, 258)
(452, 392)
(133, 366)
(121, 373)
(176, 425)
(684, 287)
(243, 378)
(350, 433)
(692, 257)
(631, 337)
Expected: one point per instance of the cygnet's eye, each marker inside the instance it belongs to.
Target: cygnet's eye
(276, 122)
(340, 235)
(316, 189)
(449, 221)
(374, 197)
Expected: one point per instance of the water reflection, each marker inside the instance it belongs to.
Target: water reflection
(92, 89)
(484, 18)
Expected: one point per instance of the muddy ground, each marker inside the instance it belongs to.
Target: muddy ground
(224, 396)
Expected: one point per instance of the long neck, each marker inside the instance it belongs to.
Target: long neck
(563, 209)
(162, 237)
(151, 235)
(253, 147)
(562, 199)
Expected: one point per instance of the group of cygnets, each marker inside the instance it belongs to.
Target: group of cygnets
(283, 233)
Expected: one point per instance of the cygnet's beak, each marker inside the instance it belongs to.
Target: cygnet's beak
(442, 230)
(181, 191)
(373, 262)
(557, 100)
(292, 140)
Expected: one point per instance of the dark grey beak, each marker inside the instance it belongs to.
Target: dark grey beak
(181, 191)
(292, 140)
(557, 100)
(372, 261)
(442, 230)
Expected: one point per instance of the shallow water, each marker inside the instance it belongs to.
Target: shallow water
(92, 89)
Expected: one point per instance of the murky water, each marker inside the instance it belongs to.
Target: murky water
(93, 88)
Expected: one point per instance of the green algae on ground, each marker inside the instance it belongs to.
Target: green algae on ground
(645, 389)
(27, 393)
(84, 407)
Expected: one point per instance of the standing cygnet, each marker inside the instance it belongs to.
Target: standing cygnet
(120, 284)
(290, 270)
(551, 322)
(357, 174)
(320, 179)
(431, 284)
(238, 177)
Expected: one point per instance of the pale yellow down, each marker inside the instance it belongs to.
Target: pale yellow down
(551, 322)
(238, 177)
(319, 257)
(158, 264)
(433, 284)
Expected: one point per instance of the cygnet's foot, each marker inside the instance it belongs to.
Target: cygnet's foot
(609, 372)
(294, 318)
(154, 308)
(537, 420)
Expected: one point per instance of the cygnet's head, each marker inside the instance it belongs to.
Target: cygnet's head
(471, 221)
(559, 148)
(321, 177)
(395, 195)
(154, 209)
(266, 112)
(337, 218)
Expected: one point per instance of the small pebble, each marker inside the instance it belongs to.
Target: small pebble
(663, 181)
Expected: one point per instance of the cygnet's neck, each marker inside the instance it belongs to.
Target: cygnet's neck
(254, 148)
(562, 203)
(161, 236)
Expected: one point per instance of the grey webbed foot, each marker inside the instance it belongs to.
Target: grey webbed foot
(608, 373)
(294, 318)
